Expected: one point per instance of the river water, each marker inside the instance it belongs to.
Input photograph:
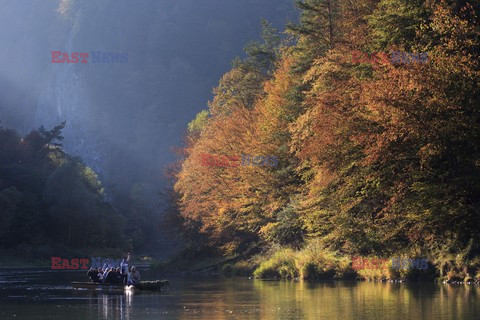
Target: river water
(47, 294)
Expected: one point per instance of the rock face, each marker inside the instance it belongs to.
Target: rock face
(122, 118)
(64, 97)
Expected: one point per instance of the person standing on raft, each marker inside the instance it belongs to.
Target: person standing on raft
(124, 268)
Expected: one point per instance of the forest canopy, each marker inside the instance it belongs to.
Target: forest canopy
(375, 158)
(50, 202)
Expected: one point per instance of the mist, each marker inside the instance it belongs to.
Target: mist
(122, 119)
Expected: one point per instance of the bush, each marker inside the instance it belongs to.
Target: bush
(377, 274)
(316, 262)
(280, 265)
(313, 262)
(390, 273)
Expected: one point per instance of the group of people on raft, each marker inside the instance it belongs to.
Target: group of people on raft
(110, 274)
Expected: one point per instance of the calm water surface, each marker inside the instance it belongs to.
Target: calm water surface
(37, 294)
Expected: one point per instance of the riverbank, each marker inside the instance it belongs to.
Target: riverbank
(315, 262)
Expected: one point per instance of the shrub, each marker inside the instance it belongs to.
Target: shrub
(313, 262)
(280, 265)
(372, 274)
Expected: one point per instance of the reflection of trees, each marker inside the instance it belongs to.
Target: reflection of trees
(227, 299)
(272, 300)
(364, 300)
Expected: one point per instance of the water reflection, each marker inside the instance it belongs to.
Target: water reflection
(109, 305)
(44, 294)
(366, 300)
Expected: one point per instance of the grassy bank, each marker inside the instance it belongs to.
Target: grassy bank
(315, 262)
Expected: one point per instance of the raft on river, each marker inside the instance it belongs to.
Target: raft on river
(158, 285)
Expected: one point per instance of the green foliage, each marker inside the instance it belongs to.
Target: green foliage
(375, 160)
(261, 57)
(48, 197)
(200, 121)
(315, 261)
(396, 22)
(53, 135)
(316, 31)
(280, 265)
(243, 85)
(287, 230)
(312, 262)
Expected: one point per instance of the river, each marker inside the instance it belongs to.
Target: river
(47, 294)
